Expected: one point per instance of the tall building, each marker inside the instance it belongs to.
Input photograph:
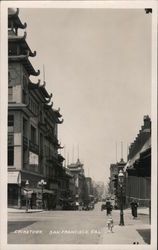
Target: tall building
(32, 128)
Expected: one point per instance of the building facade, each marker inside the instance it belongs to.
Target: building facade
(138, 168)
(32, 129)
(113, 183)
(81, 190)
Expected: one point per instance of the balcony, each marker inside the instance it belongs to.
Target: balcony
(52, 138)
(33, 147)
(52, 159)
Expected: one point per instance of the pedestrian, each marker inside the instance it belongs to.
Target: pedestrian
(108, 208)
(110, 224)
(134, 206)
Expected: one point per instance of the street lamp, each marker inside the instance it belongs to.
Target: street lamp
(26, 185)
(42, 183)
(121, 181)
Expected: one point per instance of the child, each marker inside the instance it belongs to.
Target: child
(110, 224)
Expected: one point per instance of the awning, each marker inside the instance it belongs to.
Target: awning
(36, 190)
(14, 177)
(45, 191)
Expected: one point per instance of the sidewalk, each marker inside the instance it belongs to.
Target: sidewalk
(132, 231)
(18, 210)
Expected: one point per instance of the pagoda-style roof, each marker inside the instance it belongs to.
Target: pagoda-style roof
(48, 106)
(44, 91)
(26, 63)
(57, 115)
(75, 166)
(54, 113)
(60, 158)
(34, 85)
(12, 38)
(13, 19)
(57, 112)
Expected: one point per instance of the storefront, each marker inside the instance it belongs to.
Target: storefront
(14, 186)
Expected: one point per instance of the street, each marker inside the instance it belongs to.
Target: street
(63, 227)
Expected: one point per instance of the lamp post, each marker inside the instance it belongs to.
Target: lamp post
(42, 183)
(121, 181)
(26, 185)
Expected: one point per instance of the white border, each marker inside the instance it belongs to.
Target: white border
(4, 106)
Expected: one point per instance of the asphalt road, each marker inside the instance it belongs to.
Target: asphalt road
(60, 227)
(57, 227)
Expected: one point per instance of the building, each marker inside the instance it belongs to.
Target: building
(89, 185)
(81, 190)
(113, 184)
(32, 129)
(99, 190)
(138, 167)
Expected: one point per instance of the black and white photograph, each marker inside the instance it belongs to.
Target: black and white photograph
(79, 124)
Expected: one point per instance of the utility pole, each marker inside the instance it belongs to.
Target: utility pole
(121, 150)
(78, 150)
(116, 151)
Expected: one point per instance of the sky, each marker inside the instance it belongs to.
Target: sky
(98, 67)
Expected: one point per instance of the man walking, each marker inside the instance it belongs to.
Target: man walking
(108, 208)
(134, 206)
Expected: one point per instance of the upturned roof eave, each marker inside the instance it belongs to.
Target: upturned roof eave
(24, 44)
(17, 22)
(26, 63)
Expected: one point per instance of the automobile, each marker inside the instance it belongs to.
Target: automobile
(91, 206)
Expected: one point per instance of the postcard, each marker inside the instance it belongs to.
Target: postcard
(78, 124)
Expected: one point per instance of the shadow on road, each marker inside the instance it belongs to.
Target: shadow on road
(17, 225)
(145, 234)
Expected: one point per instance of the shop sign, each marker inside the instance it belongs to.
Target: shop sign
(14, 177)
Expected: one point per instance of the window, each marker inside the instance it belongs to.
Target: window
(10, 123)
(24, 82)
(33, 134)
(24, 127)
(24, 96)
(9, 78)
(10, 149)
(10, 93)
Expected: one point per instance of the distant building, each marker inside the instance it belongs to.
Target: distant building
(89, 185)
(138, 167)
(32, 128)
(81, 192)
(99, 190)
(113, 184)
